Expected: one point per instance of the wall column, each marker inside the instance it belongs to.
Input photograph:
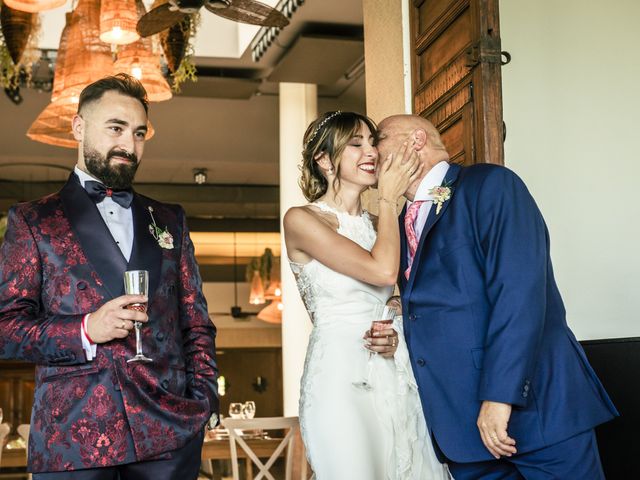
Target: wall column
(387, 57)
(298, 108)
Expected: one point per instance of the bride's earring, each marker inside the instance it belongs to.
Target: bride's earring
(330, 171)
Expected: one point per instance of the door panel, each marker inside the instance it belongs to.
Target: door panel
(456, 75)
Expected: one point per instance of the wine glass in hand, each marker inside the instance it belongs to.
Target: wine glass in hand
(136, 282)
(383, 316)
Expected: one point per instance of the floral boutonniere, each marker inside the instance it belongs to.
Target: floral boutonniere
(163, 237)
(440, 195)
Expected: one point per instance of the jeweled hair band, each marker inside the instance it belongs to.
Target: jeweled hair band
(322, 124)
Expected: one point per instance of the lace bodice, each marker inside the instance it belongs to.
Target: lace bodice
(327, 293)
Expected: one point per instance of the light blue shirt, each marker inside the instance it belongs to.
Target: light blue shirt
(433, 178)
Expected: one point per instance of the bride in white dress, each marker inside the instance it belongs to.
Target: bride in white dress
(344, 268)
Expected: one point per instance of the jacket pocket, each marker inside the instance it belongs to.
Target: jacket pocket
(70, 372)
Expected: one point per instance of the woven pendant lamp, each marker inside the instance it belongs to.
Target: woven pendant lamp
(86, 59)
(58, 74)
(118, 20)
(34, 6)
(16, 28)
(139, 60)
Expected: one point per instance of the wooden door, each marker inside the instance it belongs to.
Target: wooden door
(456, 75)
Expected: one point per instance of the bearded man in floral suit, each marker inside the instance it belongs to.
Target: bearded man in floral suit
(96, 416)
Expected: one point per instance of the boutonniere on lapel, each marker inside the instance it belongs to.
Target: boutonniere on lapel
(440, 195)
(163, 237)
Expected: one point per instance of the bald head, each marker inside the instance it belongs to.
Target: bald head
(421, 135)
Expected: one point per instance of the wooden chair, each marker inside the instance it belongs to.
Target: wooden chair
(4, 432)
(235, 426)
(23, 430)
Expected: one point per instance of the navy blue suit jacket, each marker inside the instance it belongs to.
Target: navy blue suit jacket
(484, 320)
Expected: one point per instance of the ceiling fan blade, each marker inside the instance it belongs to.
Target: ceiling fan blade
(251, 12)
(158, 19)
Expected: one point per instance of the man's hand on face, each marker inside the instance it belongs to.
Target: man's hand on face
(112, 320)
(492, 423)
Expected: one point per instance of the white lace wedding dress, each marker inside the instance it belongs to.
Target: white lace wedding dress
(349, 432)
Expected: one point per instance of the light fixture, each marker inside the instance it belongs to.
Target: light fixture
(272, 313)
(118, 19)
(139, 60)
(34, 5)
(256, 294)
(16, 30)
(200, 175)
(86, 59)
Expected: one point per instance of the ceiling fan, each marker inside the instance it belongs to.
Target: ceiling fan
(172, 12)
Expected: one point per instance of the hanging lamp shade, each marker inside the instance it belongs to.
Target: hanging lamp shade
(16, 28)
(118, 20)
(272, 313)
(85, 60)
(58, 73)
(138, 59)
(256, 294)
(34, 6)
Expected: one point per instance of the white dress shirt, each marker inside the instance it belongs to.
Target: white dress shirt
(119, 221)
(433, 178)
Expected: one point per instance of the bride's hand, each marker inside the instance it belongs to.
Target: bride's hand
(383, 342)
(397, 172)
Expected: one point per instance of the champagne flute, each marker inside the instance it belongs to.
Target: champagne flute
(136, 282)
(383, 318)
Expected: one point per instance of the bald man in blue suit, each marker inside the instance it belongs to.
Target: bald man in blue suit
(506, 389)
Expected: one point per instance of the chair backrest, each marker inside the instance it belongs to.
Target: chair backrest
(4, 432)
(236, 426)
(23, 431)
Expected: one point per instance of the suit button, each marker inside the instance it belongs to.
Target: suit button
(525, 394)
(421, 362)
(165, 384)
(412, 317)
(81, 285)
(526, 387)
(160, 336)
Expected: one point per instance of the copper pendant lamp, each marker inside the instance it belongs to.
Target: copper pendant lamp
(34, 6)
(118, 19)
(138, 59)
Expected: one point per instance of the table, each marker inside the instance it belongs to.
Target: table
(211, 450)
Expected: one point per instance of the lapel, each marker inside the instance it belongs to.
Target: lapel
(94, 236)
(146, 253)
(432, 219)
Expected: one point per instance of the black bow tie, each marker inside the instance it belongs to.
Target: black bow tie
(98, 191)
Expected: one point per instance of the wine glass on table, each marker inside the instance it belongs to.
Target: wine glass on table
(249, 409)
(136, 282)
(235, 410)
(383, 316)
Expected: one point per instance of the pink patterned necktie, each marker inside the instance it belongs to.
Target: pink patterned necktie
(412, 239)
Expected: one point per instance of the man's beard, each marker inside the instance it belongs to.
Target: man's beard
(117, 176)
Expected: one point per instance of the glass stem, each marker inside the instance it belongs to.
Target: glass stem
(138, 338)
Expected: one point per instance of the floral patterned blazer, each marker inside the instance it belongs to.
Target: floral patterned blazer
(59, 262)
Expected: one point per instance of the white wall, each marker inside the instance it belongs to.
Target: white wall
(572, 109)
